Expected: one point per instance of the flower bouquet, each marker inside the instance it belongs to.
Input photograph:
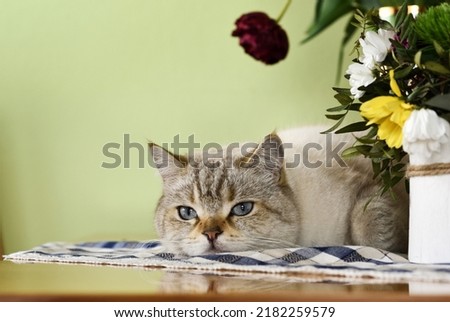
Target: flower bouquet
(400, 86)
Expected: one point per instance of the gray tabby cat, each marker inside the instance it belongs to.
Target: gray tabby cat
(258, 200)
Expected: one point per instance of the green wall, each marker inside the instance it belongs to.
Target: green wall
(77, 74)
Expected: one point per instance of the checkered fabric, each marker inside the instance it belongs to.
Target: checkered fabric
(351, 262)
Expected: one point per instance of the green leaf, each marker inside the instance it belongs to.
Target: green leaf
(327, 12)
(355, 151)
(389, 154)
(377, 149)
(369, 4)
(417, 58)
(354, 127)
(348, 107)
(385, 164)
(418, 92)
(396, 179)
(353, 107)
(363, 149)
(403, 71)
(407, 28)
(398, 168)
(440, 101)
(372, 132)
(340, 90)
(401, 15)
(334, 127)
(343, 98)
(335, 116)
(350, 152)
(436, 67)
(359, 18)
(376, 168)
(439, 50)
(365, 140)
(337, 108)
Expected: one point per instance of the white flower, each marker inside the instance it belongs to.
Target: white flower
(360, 75)
(375, 47)
(424, 135)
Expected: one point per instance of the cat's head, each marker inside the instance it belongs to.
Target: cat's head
(237, 202)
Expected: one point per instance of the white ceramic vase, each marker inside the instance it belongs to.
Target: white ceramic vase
(429, 233)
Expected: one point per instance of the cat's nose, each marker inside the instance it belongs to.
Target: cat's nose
(212, 234)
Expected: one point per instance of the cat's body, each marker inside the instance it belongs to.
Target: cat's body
(272, 196)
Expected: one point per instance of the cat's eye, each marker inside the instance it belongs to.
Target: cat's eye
(242, 209)
(186, 213)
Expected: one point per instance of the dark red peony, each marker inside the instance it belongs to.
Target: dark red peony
(262, 37)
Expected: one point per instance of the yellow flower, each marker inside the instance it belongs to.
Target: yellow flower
(393, 84)
(390, 113)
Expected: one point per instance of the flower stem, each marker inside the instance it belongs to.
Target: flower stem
(285, 8)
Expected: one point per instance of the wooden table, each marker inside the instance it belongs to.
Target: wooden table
(55, 282)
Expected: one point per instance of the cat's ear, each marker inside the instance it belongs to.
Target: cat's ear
(168, 164)
(269, 155)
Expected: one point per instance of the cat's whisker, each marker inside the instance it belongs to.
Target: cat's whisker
(272, 245)
(260, 243)
(259, 238)
(273, 240)
(229, 245)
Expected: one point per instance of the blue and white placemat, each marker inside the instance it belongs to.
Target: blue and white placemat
(349, 262)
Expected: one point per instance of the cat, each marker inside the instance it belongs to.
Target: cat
(261, 197)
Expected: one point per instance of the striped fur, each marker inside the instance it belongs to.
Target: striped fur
(292, 206)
